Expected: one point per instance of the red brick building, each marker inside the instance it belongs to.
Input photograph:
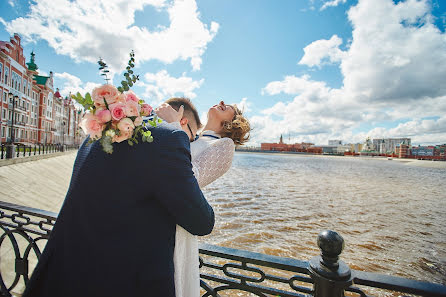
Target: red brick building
(28, 106)
(284, 147)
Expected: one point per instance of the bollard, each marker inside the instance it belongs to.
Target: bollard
(331, 276)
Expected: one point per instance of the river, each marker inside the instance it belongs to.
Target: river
(392, 215)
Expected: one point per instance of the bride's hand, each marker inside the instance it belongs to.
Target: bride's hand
(168, 114)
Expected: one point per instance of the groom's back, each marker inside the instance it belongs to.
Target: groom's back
(115, 234)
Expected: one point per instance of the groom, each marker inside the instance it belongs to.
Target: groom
(115, 233)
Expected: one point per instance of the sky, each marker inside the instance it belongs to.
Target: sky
(310, 70)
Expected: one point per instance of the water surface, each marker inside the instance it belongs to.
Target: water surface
(391, 214)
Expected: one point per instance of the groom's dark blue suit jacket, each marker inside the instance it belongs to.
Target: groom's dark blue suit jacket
(115, 233)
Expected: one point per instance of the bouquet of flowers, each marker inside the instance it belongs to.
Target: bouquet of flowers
(115, 114)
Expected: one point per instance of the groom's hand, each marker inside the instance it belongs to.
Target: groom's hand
(168, 114)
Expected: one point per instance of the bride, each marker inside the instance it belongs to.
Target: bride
(212, 152)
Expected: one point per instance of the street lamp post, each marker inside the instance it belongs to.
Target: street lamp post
(10, 148)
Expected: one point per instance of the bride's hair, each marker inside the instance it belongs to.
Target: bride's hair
(238, 128)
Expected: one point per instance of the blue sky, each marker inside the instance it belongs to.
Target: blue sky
(312, 70)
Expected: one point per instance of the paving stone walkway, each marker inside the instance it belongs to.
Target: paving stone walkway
(39, 184)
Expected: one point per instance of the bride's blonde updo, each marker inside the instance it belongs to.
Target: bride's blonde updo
(238, 129)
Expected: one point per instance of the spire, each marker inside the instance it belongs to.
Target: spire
(281, 139)
(32, 64)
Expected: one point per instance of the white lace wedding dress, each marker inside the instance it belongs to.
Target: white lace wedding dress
(211, 158)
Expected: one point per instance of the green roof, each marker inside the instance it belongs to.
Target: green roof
(41, 80)
(32, 65)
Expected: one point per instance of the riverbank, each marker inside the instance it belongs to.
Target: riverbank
(409, 162)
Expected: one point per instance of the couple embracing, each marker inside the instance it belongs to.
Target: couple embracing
(136, 234)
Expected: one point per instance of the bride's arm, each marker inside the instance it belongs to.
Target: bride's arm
(214, 161)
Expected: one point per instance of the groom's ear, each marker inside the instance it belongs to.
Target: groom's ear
(184, 121)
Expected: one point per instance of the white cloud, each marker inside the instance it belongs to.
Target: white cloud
(394, 70)
(244, 105)
(72, 83)
(160, 86)
(86, 30)
(318, 50)
(332, 3)
(11, 2)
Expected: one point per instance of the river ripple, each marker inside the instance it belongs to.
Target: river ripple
(391, 215)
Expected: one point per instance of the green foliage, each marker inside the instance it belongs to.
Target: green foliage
(103, 68)
(86, 101)
(154, 122)
(129, 78)
(106, 142)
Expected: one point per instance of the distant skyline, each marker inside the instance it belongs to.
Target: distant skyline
(312, 70)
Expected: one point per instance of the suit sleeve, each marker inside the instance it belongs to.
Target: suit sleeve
(180, 193)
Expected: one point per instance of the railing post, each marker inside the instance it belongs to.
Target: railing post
(331, 276)
(10, 151)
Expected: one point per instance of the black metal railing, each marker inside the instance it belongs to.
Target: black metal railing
(22, 150)
(222, 270)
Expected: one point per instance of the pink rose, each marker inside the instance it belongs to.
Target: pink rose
(146, 109)
(126, 125)
(107, 92)
(130, 96)
(117, 111)
(103, 115)
(137, 121)
(91, 125)
(132, 109)
(121, 98)
(123, 136)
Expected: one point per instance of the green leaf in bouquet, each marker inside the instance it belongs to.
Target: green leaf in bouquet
(120, 89)
(88, 98)
(124, 83)
(150, 139)
(130, 142)
(107, 146)
(131, 71)
(126, 88)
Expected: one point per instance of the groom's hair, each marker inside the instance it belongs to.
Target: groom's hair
(190, 112)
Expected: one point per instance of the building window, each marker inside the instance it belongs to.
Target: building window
(4, 114)
(6, 75)
(5, 97)
(1, 71)
(3, 132)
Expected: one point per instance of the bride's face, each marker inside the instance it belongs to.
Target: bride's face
(221, 112)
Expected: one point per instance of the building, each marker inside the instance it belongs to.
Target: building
(30, 113)
(356, 148)
(335, 142)
(284, 147)
(423, 151)
(388, 145)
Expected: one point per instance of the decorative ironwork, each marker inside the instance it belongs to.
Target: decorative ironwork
(223, 271)
(21, 150)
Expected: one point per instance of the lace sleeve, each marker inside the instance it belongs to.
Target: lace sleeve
(214, 161)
